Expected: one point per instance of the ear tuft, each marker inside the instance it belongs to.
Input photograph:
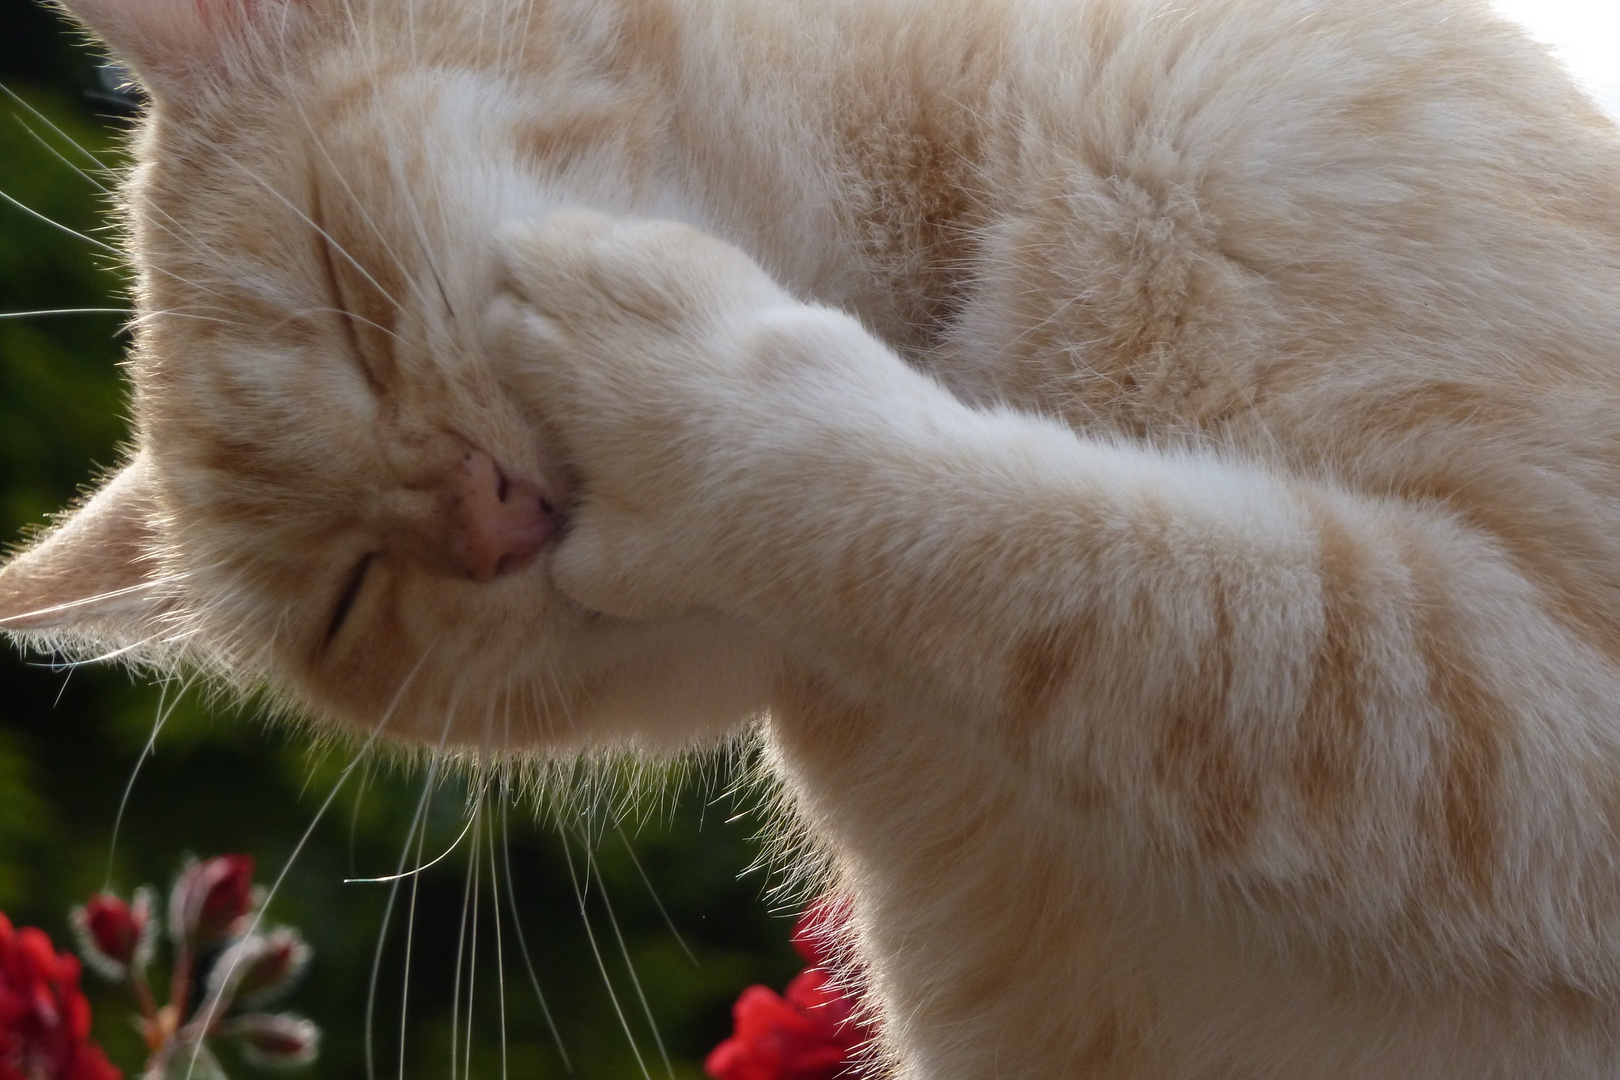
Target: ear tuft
(92, 580)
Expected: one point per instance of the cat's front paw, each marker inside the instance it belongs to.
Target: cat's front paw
(609, 281)
(629, 338)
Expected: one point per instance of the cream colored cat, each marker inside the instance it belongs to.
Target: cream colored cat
(1155, 466)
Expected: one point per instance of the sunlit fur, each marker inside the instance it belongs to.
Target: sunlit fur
(1154, 467)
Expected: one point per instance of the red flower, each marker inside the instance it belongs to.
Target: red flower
(212, 899)
(812, 1033)
(113, 935)
(44, 1017)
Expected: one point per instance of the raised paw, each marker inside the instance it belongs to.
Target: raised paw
(609, 281)
(627, 337)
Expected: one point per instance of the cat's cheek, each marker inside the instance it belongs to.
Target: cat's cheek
(611, 563)
(424, 656)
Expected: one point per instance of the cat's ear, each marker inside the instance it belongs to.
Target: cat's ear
(91, 582)
(173, 44)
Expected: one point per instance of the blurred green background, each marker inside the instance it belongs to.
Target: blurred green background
(220, 780)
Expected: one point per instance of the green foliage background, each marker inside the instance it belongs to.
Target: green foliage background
(221, 779)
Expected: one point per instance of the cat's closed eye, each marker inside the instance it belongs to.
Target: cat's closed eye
(347, 598)
(351, 323)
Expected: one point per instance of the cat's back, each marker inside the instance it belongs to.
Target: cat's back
(1155, 216)
(1208, 205)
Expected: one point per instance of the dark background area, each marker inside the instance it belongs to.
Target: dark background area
(222, 779)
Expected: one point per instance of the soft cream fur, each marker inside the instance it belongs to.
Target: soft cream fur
(1156, 464)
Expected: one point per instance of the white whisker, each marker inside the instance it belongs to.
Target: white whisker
(47, 312)
(307, 220)
(629, 964)
(59, 156)
(411, 834)
(500, 961)
(523, 944)
(165, 709)
(172, 314)
(601, 965)
(131, 649)
(31, 212)
(205, 1020)
(445, 854)
(416, 880)
(42, 118)
(630, 850)
(466, 951)
(365, 216)
(354, 812)
(357, 318)
(71, 605)
(410, 941)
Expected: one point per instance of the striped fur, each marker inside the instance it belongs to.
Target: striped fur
(1155, 467)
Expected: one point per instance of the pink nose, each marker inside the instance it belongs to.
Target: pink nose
(497, 522)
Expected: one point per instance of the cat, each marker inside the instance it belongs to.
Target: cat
(1151, 471)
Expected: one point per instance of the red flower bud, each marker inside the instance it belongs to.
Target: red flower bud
(113, 935)
(212, 899)
(114, 926)
(277, 965)
(259, 966)
(279, 1039)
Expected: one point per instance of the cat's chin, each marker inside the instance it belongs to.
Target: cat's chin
(662, 687)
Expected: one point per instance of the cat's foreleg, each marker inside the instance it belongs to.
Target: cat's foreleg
(1349, 716)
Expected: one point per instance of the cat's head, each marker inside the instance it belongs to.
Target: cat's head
(335, 487)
